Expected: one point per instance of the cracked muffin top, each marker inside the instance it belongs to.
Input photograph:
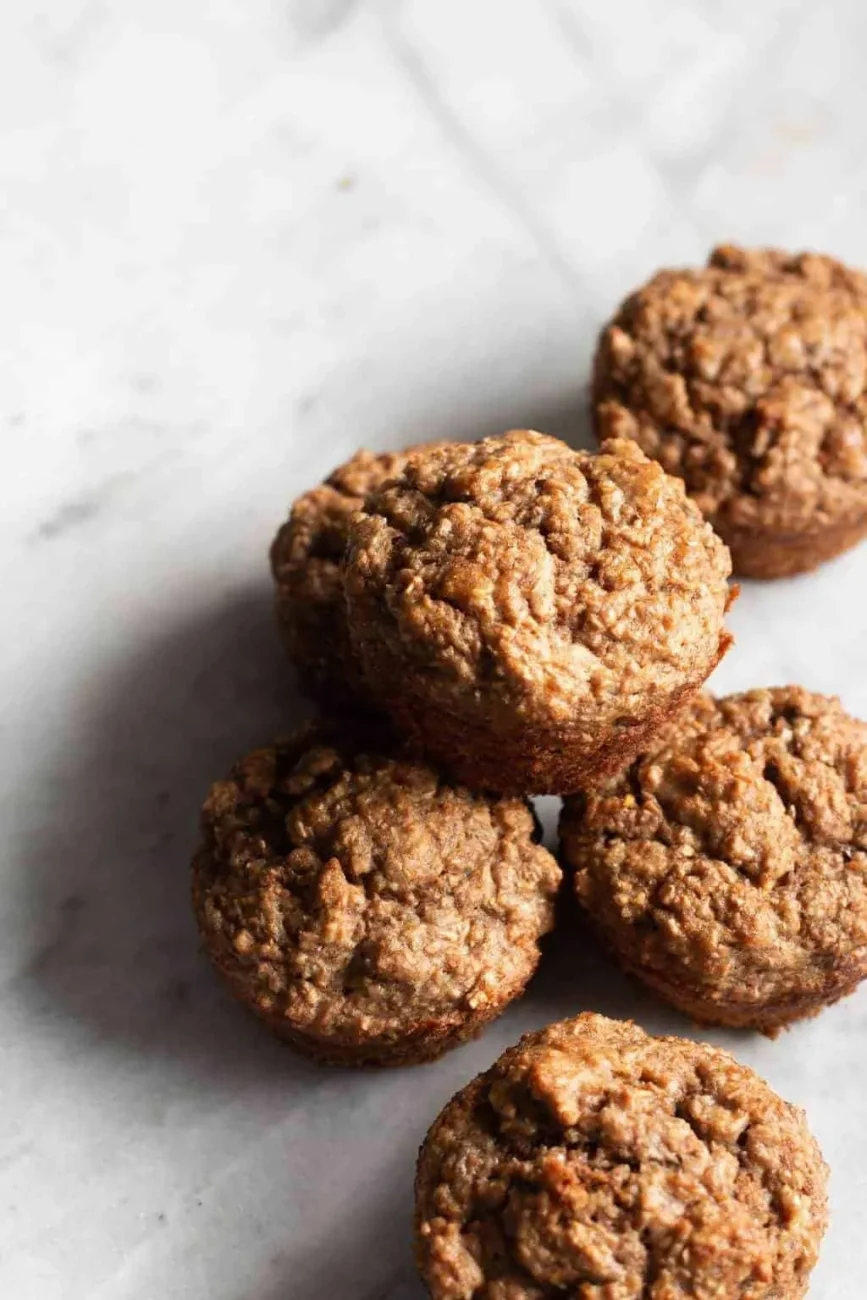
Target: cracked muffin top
(518, 572)
(306, 558)
(748, 379)
(734, 854)
(347, 891)
(594, 1161)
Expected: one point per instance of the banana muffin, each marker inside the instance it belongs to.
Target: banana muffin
(728, 867)
(595, 1161)
(530, 615)
(748, 379)
(367, 911)
(306, 560)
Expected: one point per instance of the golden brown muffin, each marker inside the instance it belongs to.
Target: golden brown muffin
(306, 560)
(368, 912)
(593, 1161)
(530, 615)
(728, 867)
(748, 379)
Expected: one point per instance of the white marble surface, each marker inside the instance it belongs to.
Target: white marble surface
(237, 240)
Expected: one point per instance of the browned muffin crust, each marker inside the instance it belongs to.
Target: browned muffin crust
(748, 379)
(306, 558)
(594, 1161)
(728, 867)
(530, 614)
(367, 911)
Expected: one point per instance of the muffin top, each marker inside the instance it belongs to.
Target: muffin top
(349, 891)
(519, 572)
(748, 379)
(593, 1160)
(306, 560)
(734, 855)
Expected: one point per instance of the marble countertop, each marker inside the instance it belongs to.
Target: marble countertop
(237, 241)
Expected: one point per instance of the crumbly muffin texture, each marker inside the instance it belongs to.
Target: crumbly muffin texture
(593, 1161)
(306, 558)
(728, 866)
(748, 379)
(358, 899)
(523, 584)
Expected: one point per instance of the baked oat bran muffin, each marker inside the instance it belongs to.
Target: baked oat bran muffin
(306, 560)
(595, 1162)
(368, 912)
(748, 379)
(529, 614)
(728, 867)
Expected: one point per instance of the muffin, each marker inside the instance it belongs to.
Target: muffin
(530, 615)
(306, 559)
(728, 867)
(747, 379)
(367, 911)
(595, 1161)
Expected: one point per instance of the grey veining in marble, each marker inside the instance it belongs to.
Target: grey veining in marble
(238, 240)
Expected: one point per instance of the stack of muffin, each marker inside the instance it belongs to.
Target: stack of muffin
(483, 622)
